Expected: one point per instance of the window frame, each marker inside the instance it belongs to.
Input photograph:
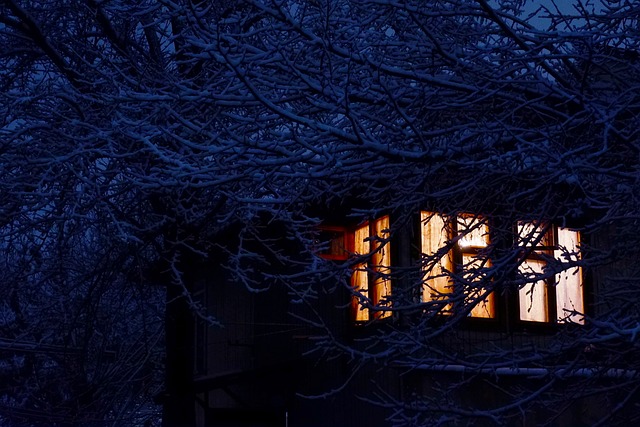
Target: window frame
(551, 251)
(377, 276)
(501, 306)
(456, 254)
(506, 307)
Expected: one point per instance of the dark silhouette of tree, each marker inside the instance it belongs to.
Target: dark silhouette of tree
(137, 137)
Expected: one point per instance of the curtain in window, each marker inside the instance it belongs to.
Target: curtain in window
(436, 283)
(569, 292)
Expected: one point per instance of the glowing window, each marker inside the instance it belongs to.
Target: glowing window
(473, 232)
(569, 286)
(456, 266)
(438, 259)
(542, 244)
(371, 280)
(472, 237)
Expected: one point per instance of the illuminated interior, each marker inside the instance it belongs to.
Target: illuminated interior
(456, 247)
(473, 235)
(533, 296)
(436, 284)
(381, 260)
(359, 279)
(569, 287)
(372, 282)
(474, 232)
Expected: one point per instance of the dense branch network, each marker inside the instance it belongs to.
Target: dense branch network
(135, 134)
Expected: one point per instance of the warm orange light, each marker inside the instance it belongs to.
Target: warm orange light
(379, 248)
(359, 278)
(474, 234)
(434, 236)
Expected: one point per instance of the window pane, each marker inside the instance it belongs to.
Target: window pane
(359, 279)
(474, 271)
(475, 235)
(434, 236)
(533, 296)
(381, 260)
(569, 289)
(534, 235)
(361, 242)
(474, 231)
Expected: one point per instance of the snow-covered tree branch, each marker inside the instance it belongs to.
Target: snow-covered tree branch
(137, 138)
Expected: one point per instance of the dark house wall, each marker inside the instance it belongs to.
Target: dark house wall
(256, 368)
